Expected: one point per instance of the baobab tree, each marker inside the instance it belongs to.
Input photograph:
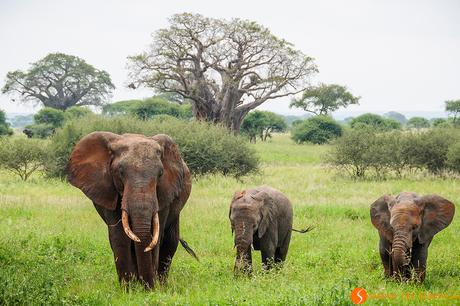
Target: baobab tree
(60, 81)
(224, 68)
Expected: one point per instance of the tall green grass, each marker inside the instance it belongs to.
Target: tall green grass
(54, 247)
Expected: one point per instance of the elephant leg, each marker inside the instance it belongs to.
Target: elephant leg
(418, 260)
(123, 252)
(122, 246)
(384, 250)
(268, 256)
(281, 252)
(168, 249)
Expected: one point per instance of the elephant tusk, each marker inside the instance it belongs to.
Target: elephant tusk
(156, 233)
(128, 231)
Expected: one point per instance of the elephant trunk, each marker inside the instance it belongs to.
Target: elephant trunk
(144, 259)
(140, 208)
(401, 244)
(243, 242)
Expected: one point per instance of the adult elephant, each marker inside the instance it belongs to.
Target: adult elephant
(138, 185)
(406, 225)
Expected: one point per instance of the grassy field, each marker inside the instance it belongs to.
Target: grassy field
(54, 247)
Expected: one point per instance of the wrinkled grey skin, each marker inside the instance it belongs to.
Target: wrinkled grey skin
(406, 225)
(262, 218)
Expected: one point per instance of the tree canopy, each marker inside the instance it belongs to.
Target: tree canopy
(453, 107)
(374, 121)
(224, 67)
(4, 126)
(418, 123)
(60, 81)
(324, 99)
(396, 116)
(262, 123)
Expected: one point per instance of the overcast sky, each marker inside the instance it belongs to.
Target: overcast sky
(397, 55)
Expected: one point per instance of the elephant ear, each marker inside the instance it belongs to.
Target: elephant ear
(266, 210)
(175, 172)
(380, 216)
(437, 215)
(89, 168)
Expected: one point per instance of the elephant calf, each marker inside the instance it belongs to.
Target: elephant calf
(261, 217)
(406, 225)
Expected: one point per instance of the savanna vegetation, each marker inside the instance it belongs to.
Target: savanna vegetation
(209, 75)
(54, 247)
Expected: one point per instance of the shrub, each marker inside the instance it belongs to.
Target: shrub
(51, 116)
(317, 130)
(76, 112)
(453, 157)
(365, 149)
(22, 156)
(351, 151)
(46, 121)
(149, 108)
(206, 148)
(42, 130)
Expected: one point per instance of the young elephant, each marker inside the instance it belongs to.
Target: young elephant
(406, 225)
(261, 217)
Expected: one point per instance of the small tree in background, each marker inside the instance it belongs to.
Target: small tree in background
(374, 121)
(324, 99)
(317, 130)
(275, 123)
(48, 119)
(4, 126)
(22, 156)
(418, 123)
(453, 108)
(60, 81)
(396, 116)
(262, 123)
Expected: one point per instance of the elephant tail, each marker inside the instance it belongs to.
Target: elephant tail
(303, 231)
(188, 249)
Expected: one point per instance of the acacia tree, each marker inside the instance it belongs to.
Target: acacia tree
(324, 99)
(262, 123)
(224, 67)
(453, 107)
(60, 81)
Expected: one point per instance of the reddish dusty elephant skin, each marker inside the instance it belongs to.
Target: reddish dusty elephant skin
(138, 186)
(406, 225)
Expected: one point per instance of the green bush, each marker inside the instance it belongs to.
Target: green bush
(22, 156)
(453, 157)
(397, 152)
(206, 148)
(42, 130)
(76, 112)
(148, 108)
(51, 116)
(317, 130)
